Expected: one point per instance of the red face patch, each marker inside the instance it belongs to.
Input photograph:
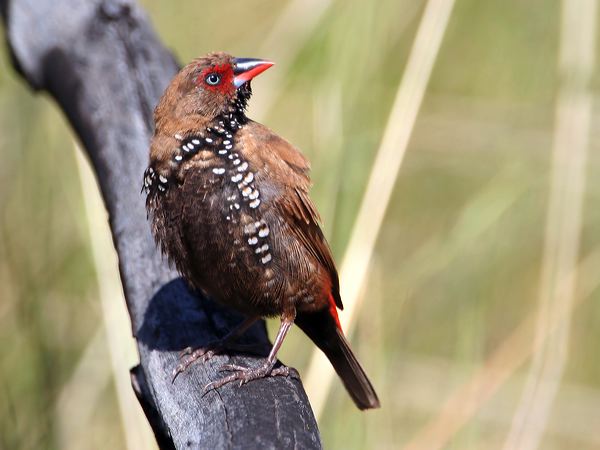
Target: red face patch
(223, 73)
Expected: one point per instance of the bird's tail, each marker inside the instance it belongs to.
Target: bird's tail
(322, 328)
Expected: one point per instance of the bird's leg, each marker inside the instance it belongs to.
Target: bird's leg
(189, 355)
(246, 374)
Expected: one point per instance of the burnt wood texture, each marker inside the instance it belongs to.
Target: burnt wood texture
(106, 68)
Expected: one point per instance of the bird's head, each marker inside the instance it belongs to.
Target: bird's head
(212, 85)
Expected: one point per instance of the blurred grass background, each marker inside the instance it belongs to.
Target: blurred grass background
(457, 265)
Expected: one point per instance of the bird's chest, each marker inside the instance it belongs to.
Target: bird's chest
(214, 221)
(218, 192)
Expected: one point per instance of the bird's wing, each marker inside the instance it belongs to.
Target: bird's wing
(289, 169)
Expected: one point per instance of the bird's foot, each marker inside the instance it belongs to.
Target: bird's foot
(189, 355)
(247, 374)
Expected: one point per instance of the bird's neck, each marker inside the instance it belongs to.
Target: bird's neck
(238, 106)
(193, 132)
(233, 116)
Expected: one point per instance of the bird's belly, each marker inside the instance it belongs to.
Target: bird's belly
(231, 251)
(232, 275)
(240, 258)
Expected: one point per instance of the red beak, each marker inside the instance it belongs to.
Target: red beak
(245, 69)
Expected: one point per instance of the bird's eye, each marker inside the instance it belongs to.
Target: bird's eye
(213, 79)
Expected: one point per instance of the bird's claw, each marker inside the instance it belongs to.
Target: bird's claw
(188, 356)
(176, 371)
(246, 374)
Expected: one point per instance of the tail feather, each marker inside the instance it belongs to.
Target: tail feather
(321, 328)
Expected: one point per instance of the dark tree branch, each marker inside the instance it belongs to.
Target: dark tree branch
(104, 65)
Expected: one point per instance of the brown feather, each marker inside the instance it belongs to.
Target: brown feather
(288, 170)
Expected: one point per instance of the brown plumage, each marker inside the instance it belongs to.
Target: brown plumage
(229, 204)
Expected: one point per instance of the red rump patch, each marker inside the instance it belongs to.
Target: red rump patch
(225, 71)
(333, 311)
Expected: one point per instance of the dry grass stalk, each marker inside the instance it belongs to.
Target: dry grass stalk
(355, 264)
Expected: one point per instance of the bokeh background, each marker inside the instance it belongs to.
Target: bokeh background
(478, 316)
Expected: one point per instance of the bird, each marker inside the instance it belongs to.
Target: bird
(229, 206)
